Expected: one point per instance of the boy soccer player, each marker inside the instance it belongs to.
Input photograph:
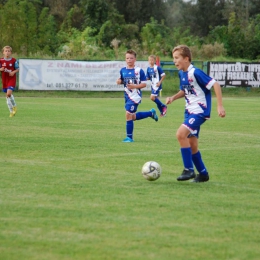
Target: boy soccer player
(156, 75)
(134, 80)
(9, 67)
(195, 86)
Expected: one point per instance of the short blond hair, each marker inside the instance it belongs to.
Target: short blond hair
(7, 47)
(152, 56)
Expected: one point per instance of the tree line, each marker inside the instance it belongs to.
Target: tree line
(95, 29)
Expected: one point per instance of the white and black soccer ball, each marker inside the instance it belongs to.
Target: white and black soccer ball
(151, 171)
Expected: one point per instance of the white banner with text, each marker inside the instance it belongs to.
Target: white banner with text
(236, 74)
(72, 75)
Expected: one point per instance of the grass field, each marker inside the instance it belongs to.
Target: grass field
(70, 189)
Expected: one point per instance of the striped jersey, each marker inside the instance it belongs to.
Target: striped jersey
(197, 88)
(155, 74)
(132, 76)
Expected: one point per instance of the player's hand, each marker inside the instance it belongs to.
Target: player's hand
(221, 111)
(2, 69)
(131, 86)
(169, 100)
(119, 81)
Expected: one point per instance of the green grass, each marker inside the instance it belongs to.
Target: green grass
(70, 189)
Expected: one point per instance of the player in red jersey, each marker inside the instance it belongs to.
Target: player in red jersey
(9, 67)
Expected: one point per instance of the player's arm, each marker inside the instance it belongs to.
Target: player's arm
(218, 92)
(161, 80)
(13, 72)
(119, 81)
(16, 69)
(178, 95)
(138, 86)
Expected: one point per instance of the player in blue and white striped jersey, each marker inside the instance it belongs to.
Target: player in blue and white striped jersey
(156, 75)
(134, 80)
(195, 86)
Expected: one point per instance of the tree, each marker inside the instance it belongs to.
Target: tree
(12, 26)
(204, 16)
(140, 11)
(96, 12)
(29, 21)
(58, 8)
(154, 37)
(47, 32)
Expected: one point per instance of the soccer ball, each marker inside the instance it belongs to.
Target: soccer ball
(151, 171)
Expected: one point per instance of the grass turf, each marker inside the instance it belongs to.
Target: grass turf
(70, 189)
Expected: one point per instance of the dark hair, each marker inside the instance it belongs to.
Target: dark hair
(184, 51)
(131, 52)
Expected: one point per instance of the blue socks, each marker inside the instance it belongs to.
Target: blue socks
(142, 115)
(159, 104)
(129, 128)
(197, 160)
(190, 159)
(187, 158)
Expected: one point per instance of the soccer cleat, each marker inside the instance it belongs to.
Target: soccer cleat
(200, 178)
(164, 111)
(11, 114)
(154, 116)
(186, 175)
(14, 110)
(128, 140)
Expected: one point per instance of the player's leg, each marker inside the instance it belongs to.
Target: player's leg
(143, 115)
(182, 136)
(130, 117)
(155, 98)
(13, 100)
(8, 101)
(198, 162)
(187, 134)
(151, 113)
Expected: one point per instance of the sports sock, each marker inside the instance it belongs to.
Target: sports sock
(197, 160)
(9, 104)
(129, 128)
(159, 104)
(142, 115)
(13, 101)
(187, 158)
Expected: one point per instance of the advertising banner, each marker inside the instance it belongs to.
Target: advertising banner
(72, 75)
(237, 74)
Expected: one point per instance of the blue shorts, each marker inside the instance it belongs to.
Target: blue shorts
(193, 123)
(131, 108)
(11, 88)
(156, 92)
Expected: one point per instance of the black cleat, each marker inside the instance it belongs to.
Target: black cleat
(201, 178)
(186, 175)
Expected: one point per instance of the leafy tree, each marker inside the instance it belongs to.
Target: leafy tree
(203, 16)
(73, 19)
(96, 12)
(58, 8)
(12, 26)
(111, 29)
(29, 20)
(154, 37)
(140, 11)
(47, 38)
(235, 37)
(252, 39)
